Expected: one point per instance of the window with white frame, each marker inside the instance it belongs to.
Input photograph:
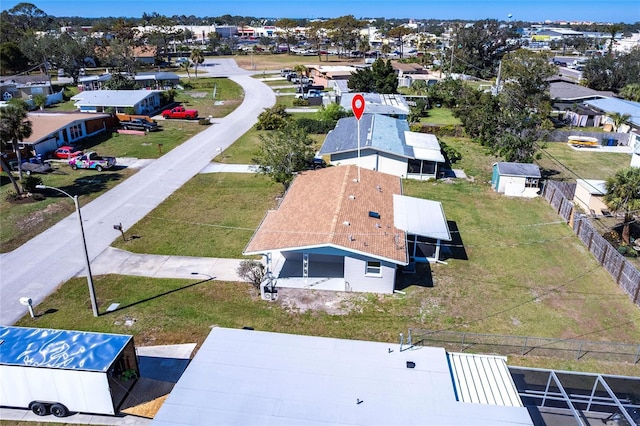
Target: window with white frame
(374, 269)
(531, 183)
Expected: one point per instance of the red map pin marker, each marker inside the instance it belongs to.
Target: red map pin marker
(357, 104)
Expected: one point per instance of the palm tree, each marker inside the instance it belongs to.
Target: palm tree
(300, 71)
(631, 92)
(185, 66)
(623, 195)
(197, 58)
(14, 127)
(619, 119)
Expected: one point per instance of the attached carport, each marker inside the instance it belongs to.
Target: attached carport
(425, 225)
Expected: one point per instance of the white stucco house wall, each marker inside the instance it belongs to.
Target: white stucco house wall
(385, 145)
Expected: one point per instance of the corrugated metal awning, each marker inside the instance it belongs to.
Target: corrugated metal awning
(420, 217)
(483, 379)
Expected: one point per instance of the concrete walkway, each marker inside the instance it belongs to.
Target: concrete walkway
(229, 168)
(116, 261)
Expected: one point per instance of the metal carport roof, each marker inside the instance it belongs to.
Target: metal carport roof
(420, 217)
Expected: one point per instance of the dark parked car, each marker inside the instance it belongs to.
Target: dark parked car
(317, 163)
(140, 124)
(36, 167)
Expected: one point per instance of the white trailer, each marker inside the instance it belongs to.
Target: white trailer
(61, 372)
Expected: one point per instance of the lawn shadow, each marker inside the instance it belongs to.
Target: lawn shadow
(421, 277)
(47, 312)
(548, 173)
(85, 185)
(453, 249)
(157, 296)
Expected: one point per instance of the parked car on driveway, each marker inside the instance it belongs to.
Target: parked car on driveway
(140, 124)
(180, 112)
(66, 151)
(91, 160)
(36, 167)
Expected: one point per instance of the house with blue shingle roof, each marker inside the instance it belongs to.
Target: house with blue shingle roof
(386, 145)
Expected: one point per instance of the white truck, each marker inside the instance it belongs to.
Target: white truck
(61, 372)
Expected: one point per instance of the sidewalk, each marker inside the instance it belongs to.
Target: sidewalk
(116, 261)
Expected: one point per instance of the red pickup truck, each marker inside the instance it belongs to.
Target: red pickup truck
(180, 112)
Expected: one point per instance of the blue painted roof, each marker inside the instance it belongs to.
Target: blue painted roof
(622, 106)
(378, 132)
(62, 349)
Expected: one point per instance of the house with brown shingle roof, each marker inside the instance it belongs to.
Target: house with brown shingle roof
(347, 229)
(52, 130)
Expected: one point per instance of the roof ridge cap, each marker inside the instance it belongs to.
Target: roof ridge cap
(336, 213)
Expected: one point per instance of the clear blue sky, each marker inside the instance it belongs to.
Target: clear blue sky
(525, 10)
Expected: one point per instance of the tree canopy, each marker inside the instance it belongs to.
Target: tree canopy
(283, 153)
(510, 121)
(379, 78)
(478, 48)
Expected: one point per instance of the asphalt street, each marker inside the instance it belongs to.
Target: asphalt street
(45, 262)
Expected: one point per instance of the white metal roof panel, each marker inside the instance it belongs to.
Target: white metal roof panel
(111, 97)
(425, 146)
(420, 217)
(483, 379)
(241, 377)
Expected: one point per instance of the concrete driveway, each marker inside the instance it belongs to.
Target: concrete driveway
(39, 266)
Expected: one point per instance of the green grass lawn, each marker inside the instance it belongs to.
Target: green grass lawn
(562, 162)
(224, 210)
(23, 221)
(442, 116)
(244, 149)
(525, 274)
(198, 94)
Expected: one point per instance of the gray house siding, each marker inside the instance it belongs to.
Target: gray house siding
(357, 279)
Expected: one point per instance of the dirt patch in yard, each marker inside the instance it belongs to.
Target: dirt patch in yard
(34, 219)
(301, 300)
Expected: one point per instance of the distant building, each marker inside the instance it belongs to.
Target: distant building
(589, 196)
(393, 105)
(143, 102)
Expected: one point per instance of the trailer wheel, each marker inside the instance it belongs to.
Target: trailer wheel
(39, 409)
(59, 410)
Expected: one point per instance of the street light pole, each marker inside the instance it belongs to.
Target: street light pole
(92, 292)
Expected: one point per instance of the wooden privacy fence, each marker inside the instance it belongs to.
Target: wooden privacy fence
(559, 195)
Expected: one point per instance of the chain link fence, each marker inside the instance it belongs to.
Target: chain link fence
(527, 346)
